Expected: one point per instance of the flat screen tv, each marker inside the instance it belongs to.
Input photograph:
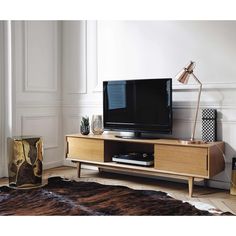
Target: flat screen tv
(140, 106)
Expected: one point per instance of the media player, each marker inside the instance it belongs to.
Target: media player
(142, 159)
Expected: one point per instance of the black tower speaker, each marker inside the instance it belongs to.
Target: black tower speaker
(209, 125)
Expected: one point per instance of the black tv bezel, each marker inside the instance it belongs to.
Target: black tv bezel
(146, 130)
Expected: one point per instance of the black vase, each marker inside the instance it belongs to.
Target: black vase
(84, 129)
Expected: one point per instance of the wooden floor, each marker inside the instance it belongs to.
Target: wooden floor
(220, 199)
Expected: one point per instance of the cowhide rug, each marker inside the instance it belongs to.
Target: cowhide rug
(63, 197)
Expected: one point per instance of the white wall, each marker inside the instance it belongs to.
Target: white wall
(148, 49)
(36, 74)
(2, 127)
(154, 49)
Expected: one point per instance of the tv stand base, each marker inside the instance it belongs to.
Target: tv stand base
(172, 159)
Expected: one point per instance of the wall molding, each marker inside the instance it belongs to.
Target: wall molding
(74, 116)
(192, 105)
(175, 105)
(85, 76)
(27, 87)
(78, 33)
(182, 120)
(97, 82)
(24, 119)
(81, 105)
(199, 121)
(49, 104)
(205, 86)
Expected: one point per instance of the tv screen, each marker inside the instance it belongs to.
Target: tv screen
(140, 106)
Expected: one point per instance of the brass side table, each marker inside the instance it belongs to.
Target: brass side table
(25, 161)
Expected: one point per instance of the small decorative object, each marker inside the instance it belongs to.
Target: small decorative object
(97, 124)
(209, 124)
(233, 177)
(84, 125)
(183, 78)
(25, 161)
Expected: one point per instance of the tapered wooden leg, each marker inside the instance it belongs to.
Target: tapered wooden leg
(78, 169)
(190, 186)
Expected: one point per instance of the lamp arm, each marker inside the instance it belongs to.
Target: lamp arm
(197, 108)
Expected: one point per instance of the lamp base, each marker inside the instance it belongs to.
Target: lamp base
(192, 142)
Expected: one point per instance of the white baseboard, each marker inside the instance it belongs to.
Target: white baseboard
(69, 163)
(89, 167)
(219, 184)
(83, 166)
(52, 164)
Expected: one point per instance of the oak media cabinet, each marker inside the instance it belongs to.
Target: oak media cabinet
(171, 158)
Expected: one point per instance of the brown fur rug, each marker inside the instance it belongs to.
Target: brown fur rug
(63, 197)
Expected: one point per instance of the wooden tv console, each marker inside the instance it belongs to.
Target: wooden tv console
(171, 158)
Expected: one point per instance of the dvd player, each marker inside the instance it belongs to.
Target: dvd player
(142, 159)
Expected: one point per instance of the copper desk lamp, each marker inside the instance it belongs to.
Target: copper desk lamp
(183, 77)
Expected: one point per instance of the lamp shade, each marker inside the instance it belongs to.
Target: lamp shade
(185, 73)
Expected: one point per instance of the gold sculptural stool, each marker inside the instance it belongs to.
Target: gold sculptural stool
(25, 161)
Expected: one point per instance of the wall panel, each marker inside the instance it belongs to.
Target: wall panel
(41, 56)
(36, 64)
(74, 57)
